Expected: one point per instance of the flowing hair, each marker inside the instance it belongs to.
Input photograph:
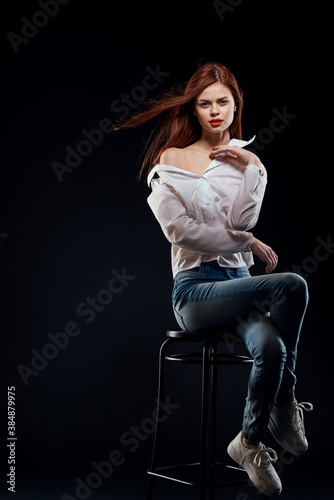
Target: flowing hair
(179, 127)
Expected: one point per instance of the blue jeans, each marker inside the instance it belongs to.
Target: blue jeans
(211, 296)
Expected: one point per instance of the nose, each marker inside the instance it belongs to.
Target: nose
(214, 111)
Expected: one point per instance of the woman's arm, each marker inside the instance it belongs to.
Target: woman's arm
(182, 230)
(244, 212)
(246, 207)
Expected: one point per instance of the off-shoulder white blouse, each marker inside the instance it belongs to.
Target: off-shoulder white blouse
(207, 217)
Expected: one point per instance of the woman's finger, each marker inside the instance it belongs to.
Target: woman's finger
(272, 260)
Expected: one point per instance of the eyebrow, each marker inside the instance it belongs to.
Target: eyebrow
(219, 98)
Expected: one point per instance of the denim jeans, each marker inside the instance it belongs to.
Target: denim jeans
(211, 296)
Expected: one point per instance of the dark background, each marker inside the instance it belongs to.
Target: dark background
(59, 241)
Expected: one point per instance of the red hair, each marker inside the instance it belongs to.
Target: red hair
(180, 127)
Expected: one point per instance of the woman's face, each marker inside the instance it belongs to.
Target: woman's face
(214, 108)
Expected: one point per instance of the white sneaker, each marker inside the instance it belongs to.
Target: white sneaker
(257, 462)
(286, 424)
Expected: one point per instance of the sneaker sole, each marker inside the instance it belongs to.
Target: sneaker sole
(234, 455)
(279, 438)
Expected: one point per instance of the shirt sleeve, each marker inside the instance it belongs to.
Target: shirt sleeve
(244, 212)
(182, 230)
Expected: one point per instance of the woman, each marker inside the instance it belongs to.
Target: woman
(207, 191)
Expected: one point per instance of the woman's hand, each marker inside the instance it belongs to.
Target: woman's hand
(266, 254)
(242, 156)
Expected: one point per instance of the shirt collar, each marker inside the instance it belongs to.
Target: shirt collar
(233, 142)
(240, 143)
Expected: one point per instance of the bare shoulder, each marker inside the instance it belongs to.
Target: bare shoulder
(172, 156)
(190, 158)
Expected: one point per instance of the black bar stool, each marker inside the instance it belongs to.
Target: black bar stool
(209, 358)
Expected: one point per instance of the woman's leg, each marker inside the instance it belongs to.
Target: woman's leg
(269, 357)
(271, 341)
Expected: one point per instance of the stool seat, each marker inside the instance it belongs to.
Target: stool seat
(225, 334)
(198, 335)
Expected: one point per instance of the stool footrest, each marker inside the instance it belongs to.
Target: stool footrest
(159, 472)
(221, 359)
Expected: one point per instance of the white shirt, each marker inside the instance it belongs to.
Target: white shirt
(207, 217)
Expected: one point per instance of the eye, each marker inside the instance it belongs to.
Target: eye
(204, 104)
(223, 102)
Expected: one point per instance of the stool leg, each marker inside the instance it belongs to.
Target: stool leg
(204, 419)
(150, 488)
(157, 433)
(213, 358)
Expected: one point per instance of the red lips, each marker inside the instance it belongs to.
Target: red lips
(216, 122)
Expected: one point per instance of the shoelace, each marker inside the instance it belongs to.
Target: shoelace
(299, 415)
(262, 456)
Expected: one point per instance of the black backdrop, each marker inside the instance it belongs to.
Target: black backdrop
(73, 217)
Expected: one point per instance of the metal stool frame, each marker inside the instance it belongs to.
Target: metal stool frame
(209, 358)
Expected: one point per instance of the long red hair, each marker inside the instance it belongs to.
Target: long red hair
(179, 127)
